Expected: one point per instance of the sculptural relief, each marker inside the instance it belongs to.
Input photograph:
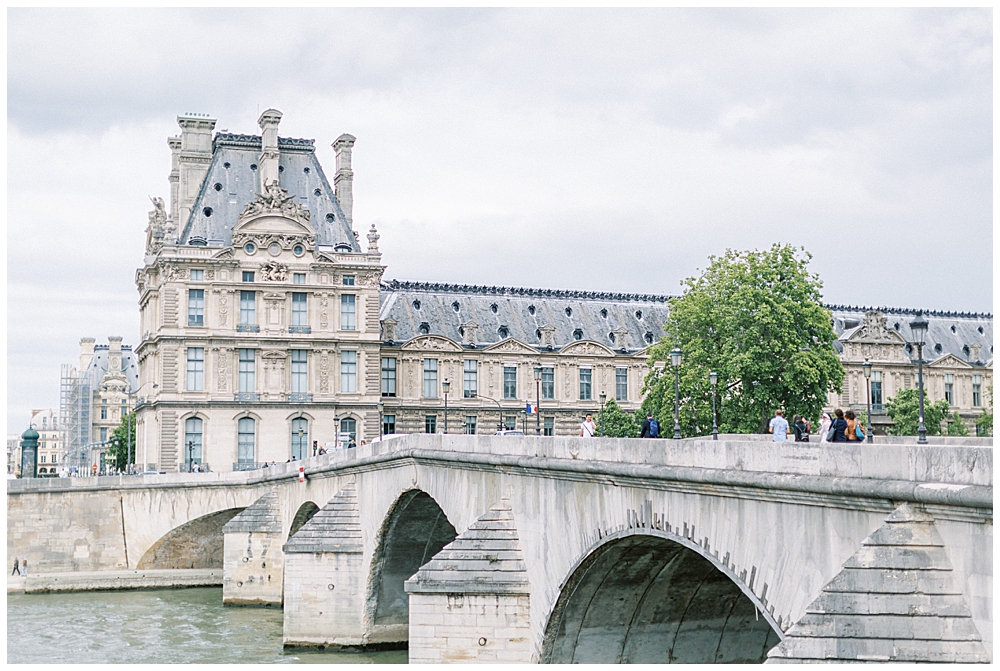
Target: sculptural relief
(156, 229)
(324, 372)
(222, 371)
(272, 271)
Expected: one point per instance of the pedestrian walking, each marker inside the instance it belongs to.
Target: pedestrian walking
(838, 428)
(587, 428)
(17, 567)
(650, 428)
(824, 427)
(24, 567)
(778, 427)
(801, 429)
(854, 431)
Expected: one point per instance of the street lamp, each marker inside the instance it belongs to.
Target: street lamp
(336, 432)
(381, 407)
(538, 400)
(445, 386)
(919, 328)
(500, 426)
(866, 367)
(600, 417)
(676, 357)
(190, 456)
(713, 377)
(302, 435)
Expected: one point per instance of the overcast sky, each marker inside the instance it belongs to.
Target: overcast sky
(587, 149)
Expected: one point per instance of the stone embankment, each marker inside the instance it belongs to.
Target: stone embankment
(82, 581)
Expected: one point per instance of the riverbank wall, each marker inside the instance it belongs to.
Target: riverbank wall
(91, 581)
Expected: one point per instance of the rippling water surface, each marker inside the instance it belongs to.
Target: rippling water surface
(155, 626)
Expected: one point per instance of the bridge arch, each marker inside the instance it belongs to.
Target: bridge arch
(412, 532)
(194, 544)
(302, 515)
(648, 596)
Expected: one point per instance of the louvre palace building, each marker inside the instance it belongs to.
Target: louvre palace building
(268, 327)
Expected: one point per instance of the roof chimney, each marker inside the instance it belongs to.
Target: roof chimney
(268, 123)
(343, 183)
(114, 354)
(86, 353)
(174, 178)
(193, 159)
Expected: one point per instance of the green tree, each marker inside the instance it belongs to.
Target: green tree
(617, 423)
(956, 427)
(904, 410)
(121, 447)
(984, 423)
(758, 320)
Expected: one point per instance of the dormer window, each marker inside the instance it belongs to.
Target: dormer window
(577, 334)
(503, 332)
(342, 247)
(604, 313)
(425, 328)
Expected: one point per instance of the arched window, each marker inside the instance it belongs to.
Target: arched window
(348, 430)
(245, 440)
(192, 440)
(300, 438)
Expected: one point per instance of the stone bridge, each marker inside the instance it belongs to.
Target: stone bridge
(528, 549)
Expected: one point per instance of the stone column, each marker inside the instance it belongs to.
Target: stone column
(471, 602)
(252, 560)
(325, 577)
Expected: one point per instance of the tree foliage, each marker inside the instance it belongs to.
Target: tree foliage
(984, 423)
(758, 320)
(904, 410)
(956, 427)
(617, 423)
(120, 447)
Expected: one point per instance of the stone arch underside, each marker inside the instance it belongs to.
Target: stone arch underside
(302, 515)
(195, 544)
(646, 599)
(415, 529)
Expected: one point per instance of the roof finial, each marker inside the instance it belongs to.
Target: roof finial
(373, 237)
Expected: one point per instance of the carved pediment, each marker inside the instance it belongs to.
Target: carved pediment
(586, 348)
(275, 204)
(511, 345)
(432, 343)
(224, 254)
(949, 360)
(874, 329)
(275, 354)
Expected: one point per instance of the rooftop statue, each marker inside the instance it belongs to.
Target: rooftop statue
(156, 227)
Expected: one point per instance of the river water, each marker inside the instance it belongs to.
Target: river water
(181, 626)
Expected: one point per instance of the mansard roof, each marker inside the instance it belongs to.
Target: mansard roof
(232, 182)
(955, 332)
(99, 366)
(521, 313)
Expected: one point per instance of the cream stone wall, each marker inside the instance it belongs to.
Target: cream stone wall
(470, 628)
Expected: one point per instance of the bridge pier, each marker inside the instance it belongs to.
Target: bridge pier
(471, 602)
(325, 577)
(253, 564)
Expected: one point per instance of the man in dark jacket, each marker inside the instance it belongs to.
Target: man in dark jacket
(650, 428)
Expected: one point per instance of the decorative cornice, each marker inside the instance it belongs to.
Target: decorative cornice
(911, 311)
(240, 141)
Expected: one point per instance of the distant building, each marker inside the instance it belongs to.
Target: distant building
(14, 455)
(50, 450)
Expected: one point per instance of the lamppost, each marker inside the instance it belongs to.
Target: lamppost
(301, 435)
(919, 328)
(336, 432)
(676, 357)
(500, 426)
(381, 407)
(713, 377)
(190, 456)
(600, 417)
(538, 400)
(445, 386)
(866, 367)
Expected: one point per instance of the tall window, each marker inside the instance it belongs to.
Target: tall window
(877, 388)
(430, 378)
(471, 387)
(388, 425)
(300, 371)
(196, 369)
(548, 426)
(196, 307)
(470, 424)
(248, 308)
(548, 383)
(299, 310)
(585, 386)
(430, 424)
(388, 376)
(348, 312)
(192, 439)
(949, 388)
(510, 382)
(104, 411)
(348, 429)
(621, 384)
(245, 440)
(977, 391)
(348, 372)
(104, 433)
(247, 383)
(300, 438)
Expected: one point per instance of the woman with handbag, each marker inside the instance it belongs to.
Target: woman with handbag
(824, 427)
(838, 428)
(854, 431)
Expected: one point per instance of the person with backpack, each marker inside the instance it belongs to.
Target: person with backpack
(838, 428)
(854, 431)
(650, 428)
(801, 428)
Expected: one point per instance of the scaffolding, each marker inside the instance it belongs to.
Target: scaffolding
(75, 417)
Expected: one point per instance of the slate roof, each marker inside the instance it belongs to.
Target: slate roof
(896, 600)
(336, 527)
(264, 514)
(99, 365)
(231, 183)
(953, 331)
(485, 559)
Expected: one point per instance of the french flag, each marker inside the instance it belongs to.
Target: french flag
(530, 409)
